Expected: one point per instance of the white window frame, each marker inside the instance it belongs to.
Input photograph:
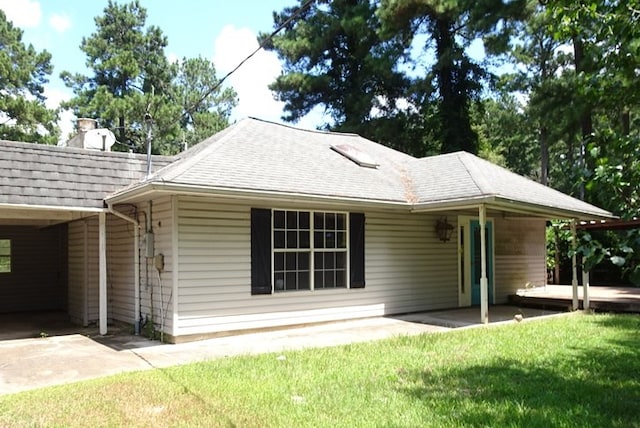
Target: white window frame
(312, 250)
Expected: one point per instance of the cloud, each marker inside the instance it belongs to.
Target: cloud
(66, 122)
(60, 23)
(23, 13)
(251, 80)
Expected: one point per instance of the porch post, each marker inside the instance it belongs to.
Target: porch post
(102, 251)
(484, 283)
(574, 265)
(585, 289)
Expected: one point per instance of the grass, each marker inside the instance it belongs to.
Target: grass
(579, 370)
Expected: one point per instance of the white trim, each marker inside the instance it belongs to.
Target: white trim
(175, 266)
(574, 267)
(102, 264)
(484, 282)
(312, 250)
(464, 260)
(51, 208)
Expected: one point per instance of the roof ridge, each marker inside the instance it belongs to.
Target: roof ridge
(476, 174)
(314, 131)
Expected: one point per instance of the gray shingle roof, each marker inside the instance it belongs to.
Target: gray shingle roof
(261, 156)
(253, 154)
(36, 174)
(462, 176)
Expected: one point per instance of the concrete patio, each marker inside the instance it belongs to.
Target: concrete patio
(66, 354)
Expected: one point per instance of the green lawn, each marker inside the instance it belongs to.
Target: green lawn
(579, 370)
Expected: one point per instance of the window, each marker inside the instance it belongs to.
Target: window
(305, 250)
(5, 255)
(302, 263)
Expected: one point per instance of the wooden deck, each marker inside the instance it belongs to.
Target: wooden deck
(602, 299)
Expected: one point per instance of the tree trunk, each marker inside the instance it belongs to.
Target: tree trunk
(586, 122)
(544, 155)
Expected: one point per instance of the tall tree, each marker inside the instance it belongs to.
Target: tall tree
(450, 25)
(23, 74)
(334, 57)
(133, 86)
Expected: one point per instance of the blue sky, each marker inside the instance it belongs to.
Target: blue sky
(222, 31)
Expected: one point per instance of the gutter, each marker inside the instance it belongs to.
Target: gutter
(136, 264)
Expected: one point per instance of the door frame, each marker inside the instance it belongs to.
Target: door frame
(464, 260)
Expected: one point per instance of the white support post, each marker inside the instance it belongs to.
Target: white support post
(585, 289)
(102, 249)
(574, 265)
(484, 283)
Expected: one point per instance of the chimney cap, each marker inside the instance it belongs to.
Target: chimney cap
(84, 124)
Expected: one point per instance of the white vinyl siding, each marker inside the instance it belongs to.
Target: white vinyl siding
(407, 269)
(520, 255)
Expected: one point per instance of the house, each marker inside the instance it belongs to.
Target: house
(263, 226)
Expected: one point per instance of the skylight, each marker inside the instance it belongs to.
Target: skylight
(355, 155)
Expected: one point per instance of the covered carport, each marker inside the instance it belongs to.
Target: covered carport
(53, 229)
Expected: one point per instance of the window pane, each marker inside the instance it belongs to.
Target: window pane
(303, 281)
(292, 219)
(341, 222)
(341, 240)
(291, 263)
(341, 278)
(330, 240)
(340, 260)
(318, 220)
(279, 281)
(318, 279)
(304, 239)
(329, 261)
(303, 218)
(303, 261)
(292, 239)
(330, 221)
(278, 239)
(278, 261)
(278, 219)
(5, 264)
(290, 281)
(329, 279)
(318, 239)
(318, 261)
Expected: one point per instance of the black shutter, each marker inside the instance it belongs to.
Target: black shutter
(356, 250)
(260, 251)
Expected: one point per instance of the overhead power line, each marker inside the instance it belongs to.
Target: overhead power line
(291, 18)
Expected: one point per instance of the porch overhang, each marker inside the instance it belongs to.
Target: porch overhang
(507, 205)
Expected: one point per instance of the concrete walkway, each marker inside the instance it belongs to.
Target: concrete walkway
(34, 363)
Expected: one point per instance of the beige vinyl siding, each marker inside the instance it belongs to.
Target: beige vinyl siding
(120, 269)
(407, 269)
(152, 285)
(77, 273)
(520, 255)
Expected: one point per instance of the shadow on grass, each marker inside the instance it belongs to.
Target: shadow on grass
(590, 386)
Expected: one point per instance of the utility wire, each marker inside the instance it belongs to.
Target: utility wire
(293, 16)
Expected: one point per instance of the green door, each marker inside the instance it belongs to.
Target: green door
(476, 267)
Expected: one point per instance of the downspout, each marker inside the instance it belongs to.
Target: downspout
(136, 265)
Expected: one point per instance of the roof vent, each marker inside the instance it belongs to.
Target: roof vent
(357, 156)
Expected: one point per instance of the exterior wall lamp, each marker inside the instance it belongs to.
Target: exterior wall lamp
(444, 229)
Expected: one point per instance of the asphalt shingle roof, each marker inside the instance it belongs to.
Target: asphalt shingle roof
(36, 174)
(263, 156)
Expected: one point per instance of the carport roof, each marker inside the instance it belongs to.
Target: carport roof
(50, 176)
(264, 159)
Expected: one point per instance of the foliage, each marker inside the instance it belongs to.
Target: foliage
(133, 85)
(556, 372)
(334, 57)
(23, 74)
